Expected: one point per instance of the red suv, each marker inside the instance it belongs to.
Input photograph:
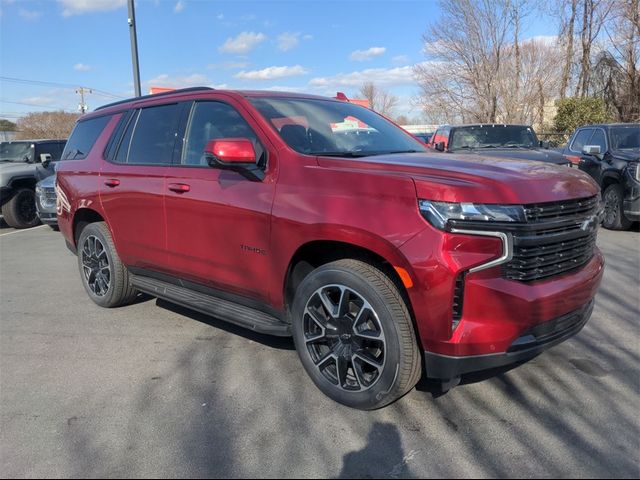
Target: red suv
(315, 218)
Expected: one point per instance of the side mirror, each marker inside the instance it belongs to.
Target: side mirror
(235, 154)
(591, 150)
(45, 159)
(440, 146)
(544, 144)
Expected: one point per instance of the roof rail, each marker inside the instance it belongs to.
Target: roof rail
(154, 95)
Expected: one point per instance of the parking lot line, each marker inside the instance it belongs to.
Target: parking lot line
(20, 231)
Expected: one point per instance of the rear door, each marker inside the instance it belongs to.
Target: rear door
(591, 163)
(218, 221)
(133, 184)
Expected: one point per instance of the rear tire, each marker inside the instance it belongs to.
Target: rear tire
(354, 335)
(614, 218)
(103, 275)
(20, 211)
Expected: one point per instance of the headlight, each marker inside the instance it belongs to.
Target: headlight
(38, 190)
(634, 170)
(439, 213)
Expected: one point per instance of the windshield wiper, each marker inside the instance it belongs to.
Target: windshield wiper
(343, 154)
(73, 154)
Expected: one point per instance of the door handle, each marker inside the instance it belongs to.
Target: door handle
(112, 182)
(179, 187)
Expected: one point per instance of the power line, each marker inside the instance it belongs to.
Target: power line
(24, 81)
(35, 105)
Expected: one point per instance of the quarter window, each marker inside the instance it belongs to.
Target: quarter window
(84, 135)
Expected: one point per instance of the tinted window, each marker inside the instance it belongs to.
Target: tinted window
(154, 135)
(53, 149)
(625, 137)
(598, 138)
(83, 137)
(123, 151)
(212, 121)
(580, 140)
(490, 136)
(114, 141)
(333, 128)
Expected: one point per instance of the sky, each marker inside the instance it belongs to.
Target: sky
(51, 47)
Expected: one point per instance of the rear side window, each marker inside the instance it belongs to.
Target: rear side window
(580, 140)
(83, 137)
(153, 135)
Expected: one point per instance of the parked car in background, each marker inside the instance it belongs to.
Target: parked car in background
(22, 164)
(424, 137)
(304, 216)
(46, 201)
(496, 141)
(611, 154)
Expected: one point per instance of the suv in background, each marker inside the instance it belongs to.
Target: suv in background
(496, 141)
(304, 216)
(611, 154)
(22, 164)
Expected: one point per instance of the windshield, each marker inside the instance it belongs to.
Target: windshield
(493, 136)
(625, 138)
(16, 152)
(331, 128)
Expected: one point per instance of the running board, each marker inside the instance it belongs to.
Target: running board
(226, 310)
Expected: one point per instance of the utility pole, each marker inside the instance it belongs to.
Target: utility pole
(134, 47)
(81, 91)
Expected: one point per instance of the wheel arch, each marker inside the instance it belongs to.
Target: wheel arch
(316, 253)
(81, 218)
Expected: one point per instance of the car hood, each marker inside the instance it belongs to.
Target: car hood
(476, 178)
(550, 156)
(9, 171)
(626, 155)
(48, 182)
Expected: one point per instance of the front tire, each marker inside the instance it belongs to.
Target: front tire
(20, 211)
(614, 218)
(103, 275)
(354, 335)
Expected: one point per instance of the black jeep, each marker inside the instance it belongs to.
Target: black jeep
(611, 154)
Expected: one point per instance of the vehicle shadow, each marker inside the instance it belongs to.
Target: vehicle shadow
(281, 343)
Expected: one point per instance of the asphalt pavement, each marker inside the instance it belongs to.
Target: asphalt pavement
(155, 390)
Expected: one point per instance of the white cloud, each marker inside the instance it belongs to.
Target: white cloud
(179, 6)
(272, 73)
(243, 43)
(401, 59)
(228, 65)
(79, 7)
(220, 16)
(29, 15)
(288, 41)
(82, 67)
(549, 40)
(363, 55)
(384, 77)
(168, 81)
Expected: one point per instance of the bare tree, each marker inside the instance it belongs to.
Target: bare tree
(55, 125)
(616, 76)
(379, 99)
(466, 50)
(567, 29)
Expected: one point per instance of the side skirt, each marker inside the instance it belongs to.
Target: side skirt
(227, 310)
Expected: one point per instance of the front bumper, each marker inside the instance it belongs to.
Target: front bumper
(530, 344)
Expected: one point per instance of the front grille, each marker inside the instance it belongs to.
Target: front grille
(558, 237)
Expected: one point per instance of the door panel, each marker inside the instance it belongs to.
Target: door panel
(133, 186)
(218, 221)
